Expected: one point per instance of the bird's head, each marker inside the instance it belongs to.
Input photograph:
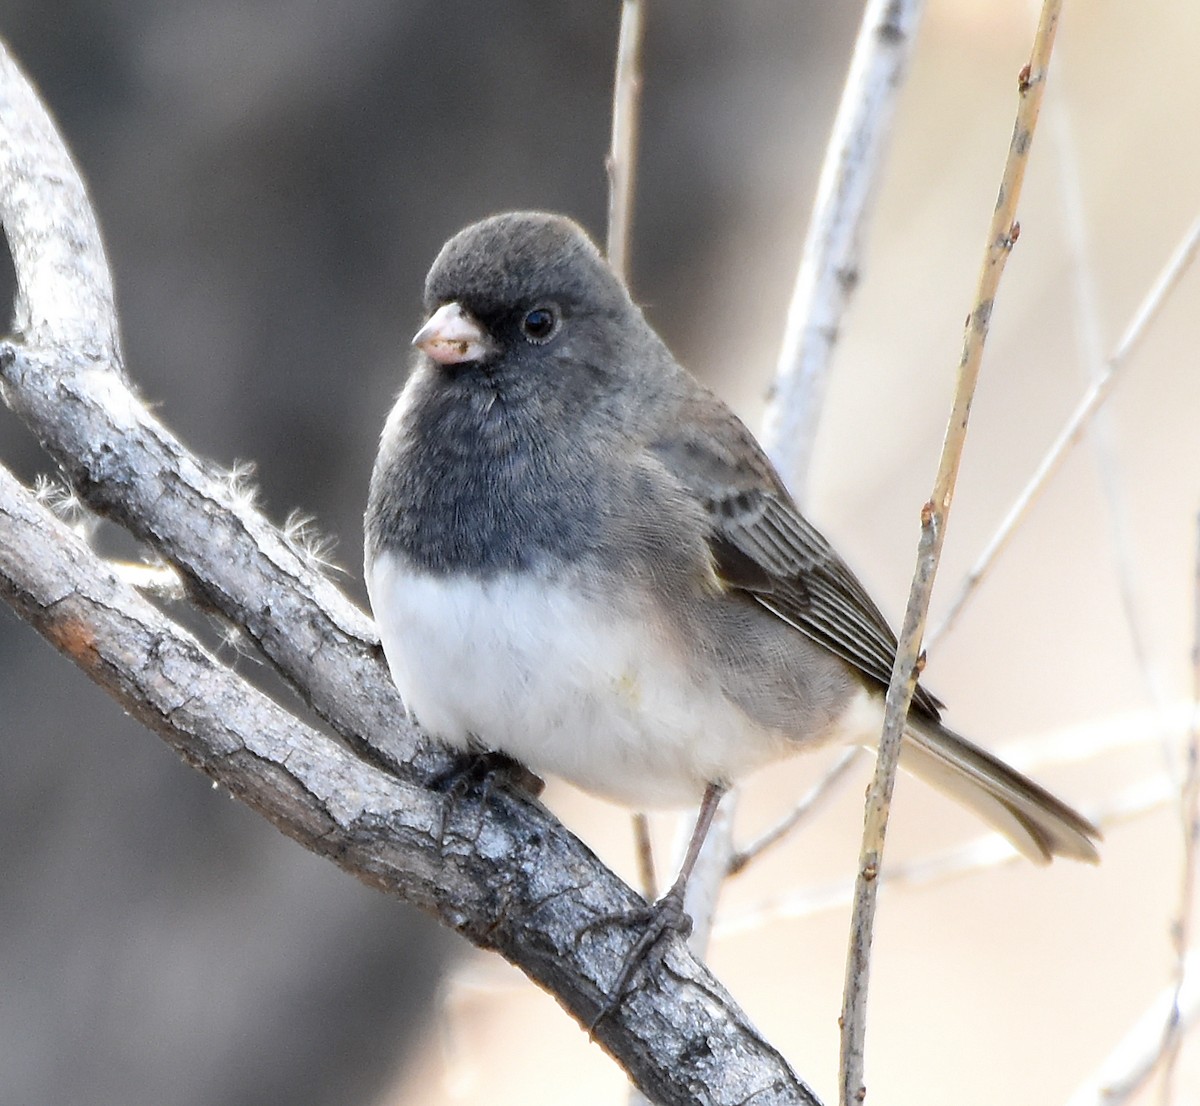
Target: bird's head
(524, 295)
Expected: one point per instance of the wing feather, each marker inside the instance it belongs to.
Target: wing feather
(762, 545)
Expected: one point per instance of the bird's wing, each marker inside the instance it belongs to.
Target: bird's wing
(764, 546)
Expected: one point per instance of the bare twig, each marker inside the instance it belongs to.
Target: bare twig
(643, 847)
(809, 802)
(497, 868)
(1001, 236)
(711, 871)
(980, 854)
(1148, 310)
(825, 282)
(1095, 738)
(622, 156)
(829, 261)
(1091, 346)
(622, 166)
(1128, 1067)
(1189, 817)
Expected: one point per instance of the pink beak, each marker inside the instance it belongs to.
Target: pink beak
(452, 336)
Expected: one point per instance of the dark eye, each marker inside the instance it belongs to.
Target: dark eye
(540, 324)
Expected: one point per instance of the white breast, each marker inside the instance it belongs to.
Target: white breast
(566, 684)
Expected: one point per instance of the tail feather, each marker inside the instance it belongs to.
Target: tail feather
(1039, 825)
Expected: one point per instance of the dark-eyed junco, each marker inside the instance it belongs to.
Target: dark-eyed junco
(578, 556)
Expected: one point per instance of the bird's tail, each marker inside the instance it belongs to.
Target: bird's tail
(1039, 825)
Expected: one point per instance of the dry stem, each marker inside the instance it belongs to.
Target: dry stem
(799, 814)
(1189, 816)
(1001, 236)
(622, 157)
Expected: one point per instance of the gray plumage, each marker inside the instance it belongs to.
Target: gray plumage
(579, 555)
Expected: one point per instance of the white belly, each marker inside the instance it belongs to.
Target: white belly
(566, 684)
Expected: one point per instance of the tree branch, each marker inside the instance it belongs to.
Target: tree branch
(496, 867)
(829, 263)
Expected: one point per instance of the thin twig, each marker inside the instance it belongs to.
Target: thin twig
(622, 165)
(643, 847)
(1189, 816)
(1091, 345)
(1127, 1068)
(973, 857)
(829, 269)
(1095, 738)
(1148, 310)
(825, 282)
(809, 802)
(622, 156)
(711, 870)
(1001, 236)
(829, 262)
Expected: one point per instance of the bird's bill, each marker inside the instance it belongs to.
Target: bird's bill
(452, 335)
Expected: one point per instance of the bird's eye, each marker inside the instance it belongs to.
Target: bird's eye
(540, 324)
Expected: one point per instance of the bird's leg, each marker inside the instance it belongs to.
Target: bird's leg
(667, 914)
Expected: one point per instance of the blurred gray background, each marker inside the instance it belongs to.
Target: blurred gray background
(273, 179)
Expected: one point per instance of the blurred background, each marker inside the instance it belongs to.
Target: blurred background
(273, 180)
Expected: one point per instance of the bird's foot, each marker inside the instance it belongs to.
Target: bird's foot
(478, 772)
(656, 920)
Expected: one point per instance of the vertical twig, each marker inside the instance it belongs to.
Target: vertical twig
(829, 262)
(1147, 312)
(621, 166)
(1001, 236)
(1189, 816)
(1088, 334)
(710, 873)
(622, 154)
(643, 847)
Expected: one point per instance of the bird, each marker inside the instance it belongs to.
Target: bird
(580, 558)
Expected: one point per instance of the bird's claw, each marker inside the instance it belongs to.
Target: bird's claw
(656, 921)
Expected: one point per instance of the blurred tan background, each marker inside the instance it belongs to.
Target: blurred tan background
(274, 179)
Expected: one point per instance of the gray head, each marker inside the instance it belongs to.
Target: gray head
(523, 295)
(506, 260)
